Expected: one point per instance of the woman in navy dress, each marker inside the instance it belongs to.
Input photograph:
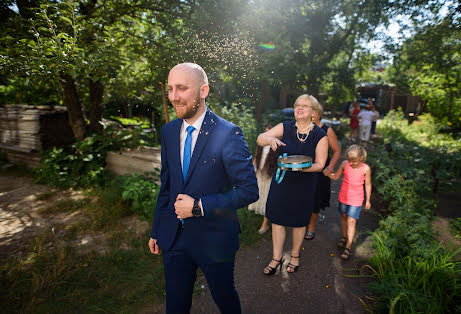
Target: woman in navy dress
(290, 203)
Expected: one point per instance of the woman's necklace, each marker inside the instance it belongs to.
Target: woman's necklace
(299, 133)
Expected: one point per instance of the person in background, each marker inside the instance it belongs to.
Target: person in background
(365, 116)
(354, 120)
(265, 163)
(322, 194)
(206, 176)
(356, 175)
(291, 201)
(374, 120)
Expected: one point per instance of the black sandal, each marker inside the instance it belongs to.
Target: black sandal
(346, 254)
(342, 242)
(310, 235)
(272, 270)
(294, 267)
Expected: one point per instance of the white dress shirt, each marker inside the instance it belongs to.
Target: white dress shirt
(182, 140)
(183, 134)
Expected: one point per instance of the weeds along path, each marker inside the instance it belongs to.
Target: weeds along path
(319, 286)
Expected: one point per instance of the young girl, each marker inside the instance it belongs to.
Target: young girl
(356, 174)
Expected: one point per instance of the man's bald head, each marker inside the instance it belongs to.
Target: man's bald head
(195, 70)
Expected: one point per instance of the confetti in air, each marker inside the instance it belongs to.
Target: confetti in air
(267, 46)
(232, 54)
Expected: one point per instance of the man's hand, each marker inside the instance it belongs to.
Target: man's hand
(154, 248)
(183, 206)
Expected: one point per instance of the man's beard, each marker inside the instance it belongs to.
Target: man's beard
(190, 111)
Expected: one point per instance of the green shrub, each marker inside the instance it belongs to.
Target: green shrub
(82, 164)
(455, 226)
(244, 118)
(415, 285)
(414, 274)
(140, 193)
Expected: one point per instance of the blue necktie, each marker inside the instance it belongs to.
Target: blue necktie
(187, 151)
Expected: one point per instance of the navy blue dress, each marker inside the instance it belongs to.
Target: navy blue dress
(322, 197)
(290, 203)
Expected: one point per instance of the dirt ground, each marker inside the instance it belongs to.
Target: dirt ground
(20, 217)
(23, 217)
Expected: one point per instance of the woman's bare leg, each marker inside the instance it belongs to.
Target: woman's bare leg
(278, 238)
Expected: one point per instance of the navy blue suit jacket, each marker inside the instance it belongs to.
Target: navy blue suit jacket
(220, 173)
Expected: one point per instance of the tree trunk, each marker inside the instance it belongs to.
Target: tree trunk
(165, 102)
(96, 96)
(19, 91)
(260, 105)
(74, 107)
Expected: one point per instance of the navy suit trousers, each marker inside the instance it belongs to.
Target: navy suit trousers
(181, 262)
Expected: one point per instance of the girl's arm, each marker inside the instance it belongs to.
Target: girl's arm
(367, 187)
(335, 176)
(335, 148)
(321, 154)
(272, 137)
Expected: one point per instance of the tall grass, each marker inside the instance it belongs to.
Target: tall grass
(414, 274)
(414, 285)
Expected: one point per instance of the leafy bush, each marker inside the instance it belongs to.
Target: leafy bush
(414, 274)
(412, 285)
(244, 118)
(141, 193)
(82, 164)
(455, 225)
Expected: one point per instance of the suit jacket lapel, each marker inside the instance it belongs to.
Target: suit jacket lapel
(208, 123)
(175, 142)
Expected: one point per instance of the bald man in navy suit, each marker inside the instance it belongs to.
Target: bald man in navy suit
(206, 175)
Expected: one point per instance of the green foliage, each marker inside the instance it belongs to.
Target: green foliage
(141, 193)
(414, 285)
(135, 121)
(243, 117)
(414, 274)
(250, 223)
(82, 164)
(455, 225)
(433, 74)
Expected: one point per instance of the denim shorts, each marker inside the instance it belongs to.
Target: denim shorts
(351, 211)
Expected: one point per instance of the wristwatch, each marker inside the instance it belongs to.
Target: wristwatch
(196, 210)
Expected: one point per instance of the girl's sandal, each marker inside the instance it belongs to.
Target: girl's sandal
(346, 254)
(342, 242)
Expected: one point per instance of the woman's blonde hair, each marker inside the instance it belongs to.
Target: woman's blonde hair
(314, 102)
(320, 111)
(356, 152)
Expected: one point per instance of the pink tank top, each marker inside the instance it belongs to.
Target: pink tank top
(351, 192)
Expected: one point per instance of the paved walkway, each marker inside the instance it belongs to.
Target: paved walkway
(319, 286)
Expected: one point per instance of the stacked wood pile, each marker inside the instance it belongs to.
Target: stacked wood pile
(26, 130)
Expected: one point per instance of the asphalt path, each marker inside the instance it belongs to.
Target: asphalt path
(320, 285)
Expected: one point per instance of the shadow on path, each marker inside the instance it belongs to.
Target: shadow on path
(319, 286)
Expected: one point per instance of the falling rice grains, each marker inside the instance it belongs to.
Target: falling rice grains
(234, 54)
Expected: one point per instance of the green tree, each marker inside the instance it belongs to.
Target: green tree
(81, 45)
(429, 65)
